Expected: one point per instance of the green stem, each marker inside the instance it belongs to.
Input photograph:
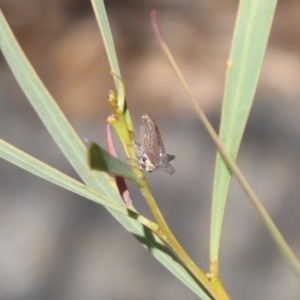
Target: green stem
(216, 290)
(126, 137)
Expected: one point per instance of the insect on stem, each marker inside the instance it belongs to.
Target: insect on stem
(151, 151)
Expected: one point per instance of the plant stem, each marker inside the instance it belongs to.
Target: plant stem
(126, 137)
(215, 287)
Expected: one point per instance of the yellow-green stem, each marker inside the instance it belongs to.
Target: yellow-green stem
(164, 232)
(215, 290)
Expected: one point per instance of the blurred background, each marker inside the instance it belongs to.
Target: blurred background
(56, 245)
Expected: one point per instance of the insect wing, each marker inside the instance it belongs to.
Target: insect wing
(151, 151)
(151, 141)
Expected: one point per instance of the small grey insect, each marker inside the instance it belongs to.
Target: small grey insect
(151, 151)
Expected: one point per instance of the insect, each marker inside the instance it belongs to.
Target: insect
(151, 151)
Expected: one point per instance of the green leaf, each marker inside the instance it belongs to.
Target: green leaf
(243, 68)
(103, 23)
(40, 169)
(99, 159)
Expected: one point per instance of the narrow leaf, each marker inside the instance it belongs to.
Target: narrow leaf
(99, 159)
(103, 23)
(40, 169)
(243, 68)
